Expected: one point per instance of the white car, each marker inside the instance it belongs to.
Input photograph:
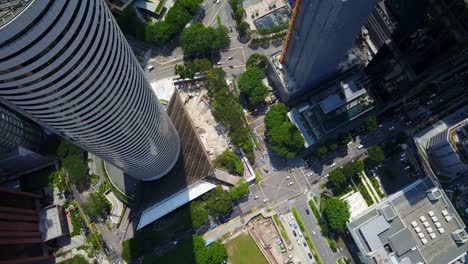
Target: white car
(219, 63)
(265, 200)
(333, 164)
(349, 143)
(287, 177)
(360, 146)
(150, 67)
(256, 197)
(313, 233)
(290, 183)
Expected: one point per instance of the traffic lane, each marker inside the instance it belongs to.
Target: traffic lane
(212, 9)
(251, 203)
(319, 241)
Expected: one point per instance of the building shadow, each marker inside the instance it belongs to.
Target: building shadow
(160, 222)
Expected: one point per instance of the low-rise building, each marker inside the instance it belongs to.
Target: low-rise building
(346, 99)
(448, 150)
(415, 225)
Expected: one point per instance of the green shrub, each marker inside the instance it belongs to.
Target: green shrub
(231, 162)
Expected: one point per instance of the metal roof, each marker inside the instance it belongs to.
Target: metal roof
(175, 201)
(372, 229)
(402, 242)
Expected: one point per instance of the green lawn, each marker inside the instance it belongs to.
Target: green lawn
(243, 250)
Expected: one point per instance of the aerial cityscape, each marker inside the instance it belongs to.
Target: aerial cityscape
(234, 131)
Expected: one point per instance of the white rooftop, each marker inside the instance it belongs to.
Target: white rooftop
(357, 204)
(49, 223)
(175, 201)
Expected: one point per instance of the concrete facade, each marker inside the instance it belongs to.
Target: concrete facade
(324, 30)
(67, 66)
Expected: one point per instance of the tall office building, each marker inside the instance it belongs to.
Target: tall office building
(66, 65)
(321, 32)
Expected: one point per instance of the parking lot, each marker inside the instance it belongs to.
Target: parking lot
(301, 250)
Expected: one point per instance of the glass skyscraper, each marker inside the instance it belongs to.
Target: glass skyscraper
(66, 65)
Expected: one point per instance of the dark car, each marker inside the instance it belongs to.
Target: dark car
(310, 255)
(294, 233)
(307, 211)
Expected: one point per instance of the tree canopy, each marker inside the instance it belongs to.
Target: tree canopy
(243, 28)
(192, 6)
(240, 190)
(76, 169)
(96, 206)
(227, 110)
(77, 259)
(257, 60)
(375, 154)
(283, 136)
(218, 201)
(321, 151)
(231, 162)
(67, 149)
(344, 138)
(336, 212)
(198, 213)
(250, 82)
(200, 41)
(58, 179)
(338, 179)
(190, 68)
(200, 250)
(161, 32)
(370, 123)
(217, 253)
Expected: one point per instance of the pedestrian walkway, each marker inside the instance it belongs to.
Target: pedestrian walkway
(232, 225)
(370, 188)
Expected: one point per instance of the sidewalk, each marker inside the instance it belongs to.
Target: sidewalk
(238, 222)
(365, 183)
(371, 187)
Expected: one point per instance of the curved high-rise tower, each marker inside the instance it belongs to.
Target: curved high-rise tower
(67, 65)
(16, 131)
